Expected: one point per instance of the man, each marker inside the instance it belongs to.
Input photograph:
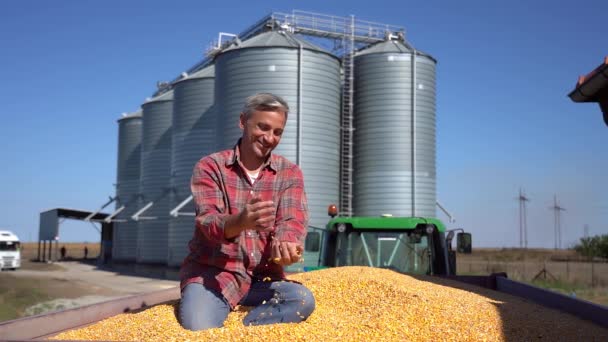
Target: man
(251, 219)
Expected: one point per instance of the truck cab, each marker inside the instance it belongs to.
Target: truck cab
(10, 250)
(414, 245)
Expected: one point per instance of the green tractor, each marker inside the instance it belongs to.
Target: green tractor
(414, 245)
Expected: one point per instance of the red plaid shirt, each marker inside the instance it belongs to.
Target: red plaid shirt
(220, 187)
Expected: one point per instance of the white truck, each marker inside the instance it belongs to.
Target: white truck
(10, 250)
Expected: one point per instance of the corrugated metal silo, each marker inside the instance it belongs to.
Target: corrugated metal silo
(194, 136)
(308, 78)
(127, 186)
(153, 225)
(394, 137)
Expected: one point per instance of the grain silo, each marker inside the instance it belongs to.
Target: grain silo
(194, 136)
(308, 78)
(155, 179)
(394, 137)
(127, 186)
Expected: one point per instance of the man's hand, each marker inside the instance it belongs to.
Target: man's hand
(258, 215)
(285, 253)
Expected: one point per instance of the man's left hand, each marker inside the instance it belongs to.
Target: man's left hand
(286, 253)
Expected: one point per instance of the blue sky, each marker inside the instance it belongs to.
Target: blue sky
(504, 120)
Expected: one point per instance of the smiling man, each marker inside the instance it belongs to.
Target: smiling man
(251, 219)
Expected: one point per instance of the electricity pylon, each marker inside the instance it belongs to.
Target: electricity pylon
(523, 222)
(557, 228)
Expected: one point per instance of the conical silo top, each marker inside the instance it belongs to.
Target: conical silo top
(133, 115)
(274, 39)
(166, 96)
(387, 46)
(392, 46)
(206, 72)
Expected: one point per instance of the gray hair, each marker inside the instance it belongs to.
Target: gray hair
(265, 102)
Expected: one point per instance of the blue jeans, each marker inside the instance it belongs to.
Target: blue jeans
(274, 302)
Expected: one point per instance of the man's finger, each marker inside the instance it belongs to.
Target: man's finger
(254, 199)
(265, 212)
(293, 252)
(265, 222)
(262, 205)
(285, 255)
(266, 229)
(276, 253)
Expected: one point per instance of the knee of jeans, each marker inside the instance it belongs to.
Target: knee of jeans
(308, 302)
(200, 309)
(302, 296)
(196, 320)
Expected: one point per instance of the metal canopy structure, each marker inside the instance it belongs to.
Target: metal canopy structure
(49, 230)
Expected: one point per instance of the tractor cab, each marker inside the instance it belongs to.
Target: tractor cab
(414, 245)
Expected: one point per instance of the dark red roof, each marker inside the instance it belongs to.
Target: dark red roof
(590, 87)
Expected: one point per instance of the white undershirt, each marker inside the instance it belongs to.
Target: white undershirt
(253, 176)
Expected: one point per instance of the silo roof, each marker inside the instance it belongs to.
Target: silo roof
(136, 114)
(274, 39)
(391, 46)
(166, 96)
(206, 72)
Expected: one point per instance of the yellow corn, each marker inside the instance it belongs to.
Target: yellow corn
(369, 304)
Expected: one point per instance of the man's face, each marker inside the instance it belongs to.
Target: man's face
(262, 132)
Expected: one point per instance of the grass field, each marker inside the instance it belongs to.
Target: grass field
(597, 294)
(518, 254)
(74, 250)
(18, 292)
(559, 270)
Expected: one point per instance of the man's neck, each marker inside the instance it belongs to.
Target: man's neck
(249, 161)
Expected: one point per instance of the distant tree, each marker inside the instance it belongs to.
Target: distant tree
(594, 246)
(604, 246)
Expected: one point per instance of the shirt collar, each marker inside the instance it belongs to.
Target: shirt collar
(235, 156)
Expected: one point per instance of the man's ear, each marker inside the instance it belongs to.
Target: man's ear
(242, 121)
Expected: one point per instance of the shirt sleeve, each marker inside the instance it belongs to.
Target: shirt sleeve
(209, 200)
(292, 211)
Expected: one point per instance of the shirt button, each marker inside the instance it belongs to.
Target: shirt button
(252, 254)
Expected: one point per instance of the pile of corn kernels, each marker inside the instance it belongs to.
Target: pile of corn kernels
(369, 304)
